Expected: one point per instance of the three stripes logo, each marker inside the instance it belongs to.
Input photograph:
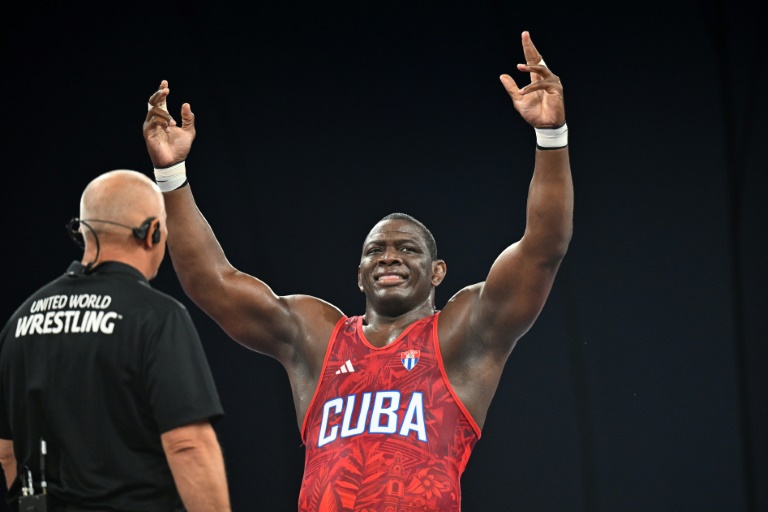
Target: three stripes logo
(346, 368)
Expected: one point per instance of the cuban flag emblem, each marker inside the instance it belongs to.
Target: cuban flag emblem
(410, 358)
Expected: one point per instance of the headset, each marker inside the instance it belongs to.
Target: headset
(139, 232)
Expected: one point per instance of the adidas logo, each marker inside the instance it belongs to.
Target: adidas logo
(346, 368)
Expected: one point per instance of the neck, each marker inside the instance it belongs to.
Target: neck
(133, 258)
(382, 329)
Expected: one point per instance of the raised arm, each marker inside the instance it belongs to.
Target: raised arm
(519, 282)
(245, 307)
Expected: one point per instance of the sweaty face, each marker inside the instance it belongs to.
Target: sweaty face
(395, 268)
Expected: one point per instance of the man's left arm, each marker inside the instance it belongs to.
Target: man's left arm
(521, 278)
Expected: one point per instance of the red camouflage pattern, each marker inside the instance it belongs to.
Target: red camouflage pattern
(386, 472)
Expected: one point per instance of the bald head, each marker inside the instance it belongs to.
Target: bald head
(124, 196)
(113, 204)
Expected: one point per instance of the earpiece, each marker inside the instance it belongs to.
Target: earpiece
(74, 234)
(156, 234)
(141, 231)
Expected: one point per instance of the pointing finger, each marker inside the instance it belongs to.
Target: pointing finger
(532, 55)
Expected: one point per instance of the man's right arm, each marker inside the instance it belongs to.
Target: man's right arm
(245, 307)
(197, 464)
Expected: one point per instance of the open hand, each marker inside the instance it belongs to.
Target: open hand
(167, 143)
(540, 103)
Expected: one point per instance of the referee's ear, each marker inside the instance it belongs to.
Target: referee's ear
(154, 235)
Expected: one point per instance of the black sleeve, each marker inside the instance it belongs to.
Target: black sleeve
(178, 378)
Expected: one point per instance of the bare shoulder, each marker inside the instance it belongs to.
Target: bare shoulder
(462, 301)
(456, 320)
(471, 324)
(311, 321)
(309, 305)
(316, 316)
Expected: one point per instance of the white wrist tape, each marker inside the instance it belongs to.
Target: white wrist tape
(552, 138)
(171, 178)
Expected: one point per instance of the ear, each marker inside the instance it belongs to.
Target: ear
(439, 268)
(359, 279)
(147, 242)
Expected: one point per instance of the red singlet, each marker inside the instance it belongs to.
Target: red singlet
(385, 431)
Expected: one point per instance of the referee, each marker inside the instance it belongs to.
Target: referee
(106, 397)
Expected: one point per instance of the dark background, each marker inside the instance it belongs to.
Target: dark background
(642, 386)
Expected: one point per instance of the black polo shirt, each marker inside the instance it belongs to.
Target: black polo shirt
(99, 364)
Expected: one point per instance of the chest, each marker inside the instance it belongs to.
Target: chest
(411, 357)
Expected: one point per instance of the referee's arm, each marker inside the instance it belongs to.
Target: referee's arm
(197, 464)
(8, 460)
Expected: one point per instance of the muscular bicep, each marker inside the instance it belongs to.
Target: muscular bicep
(247, 308)
(513, 295)
(243, 306)
(254, 316)
(249, 312)
(521, 278)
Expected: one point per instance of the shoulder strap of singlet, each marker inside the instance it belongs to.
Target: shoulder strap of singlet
(328, 352)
